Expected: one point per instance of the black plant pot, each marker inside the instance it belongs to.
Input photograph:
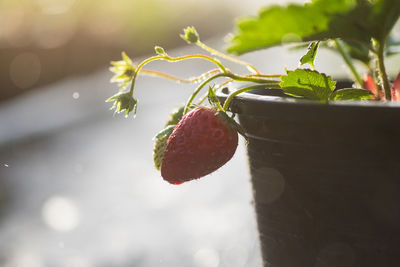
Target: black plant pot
(326, 180)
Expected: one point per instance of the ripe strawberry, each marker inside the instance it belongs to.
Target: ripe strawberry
(201, 143)
(396, 89)
(369, 84)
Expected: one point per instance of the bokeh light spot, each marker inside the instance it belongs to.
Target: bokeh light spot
(52, 31)
(25, 70)
(60, 214)
(23, 258)
(75, 95)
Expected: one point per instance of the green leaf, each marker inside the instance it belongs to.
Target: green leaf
(161, 138)
(311, 54)
(158, 151)
(392, 46)
(126, 58)
(175, 116)
(384, 14)
(308, 84)
(165, 132)
(351, 20)
(357, 51)
(351, 94)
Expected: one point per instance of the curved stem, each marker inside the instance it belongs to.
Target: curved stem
(245, 89)
(240, 78)
(348, 61)
(222, 55)
(173, 59)
(265, 75)
(198, 89)
(177, 79)
(204, 97)
(233, 77)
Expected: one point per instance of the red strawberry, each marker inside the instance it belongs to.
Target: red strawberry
(396, 89)
(369, 84)
(201, 143)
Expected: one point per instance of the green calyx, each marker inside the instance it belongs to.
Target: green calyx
(190, 35)
(160, 140)
(232, 123)
(160, 144)
(124, 102)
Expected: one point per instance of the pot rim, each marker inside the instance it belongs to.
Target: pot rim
(286, 108)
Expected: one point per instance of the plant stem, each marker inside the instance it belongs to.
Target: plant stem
(222, 55)
(245, 89)
(231, 75)
(198, 89)
(177, 79)
(203, 98)
(348, 61)
(382, 70)
(265, 75)
(173, 59)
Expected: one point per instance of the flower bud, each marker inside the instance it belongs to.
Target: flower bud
(190, 35)
(160, 51)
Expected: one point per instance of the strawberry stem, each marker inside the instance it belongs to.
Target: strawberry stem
(203, 98)
(198, 89)
(227, 57)
(177, 79)
(265, 75)
(173, 59)
(380, 55)
(233, 77)
(348, 61)
(230, 97)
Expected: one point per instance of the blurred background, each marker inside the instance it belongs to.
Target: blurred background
(77, 184)
(42, 41)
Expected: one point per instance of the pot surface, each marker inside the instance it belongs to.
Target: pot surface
(326, 180)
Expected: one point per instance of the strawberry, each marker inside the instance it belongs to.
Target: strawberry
(369, 84)
(396, 89)
(201, 143)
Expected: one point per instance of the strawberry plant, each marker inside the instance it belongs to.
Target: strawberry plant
(199, 138)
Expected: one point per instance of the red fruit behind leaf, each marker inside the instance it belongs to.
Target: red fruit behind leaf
(396, 89)
(369, 84)
(201, 143)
